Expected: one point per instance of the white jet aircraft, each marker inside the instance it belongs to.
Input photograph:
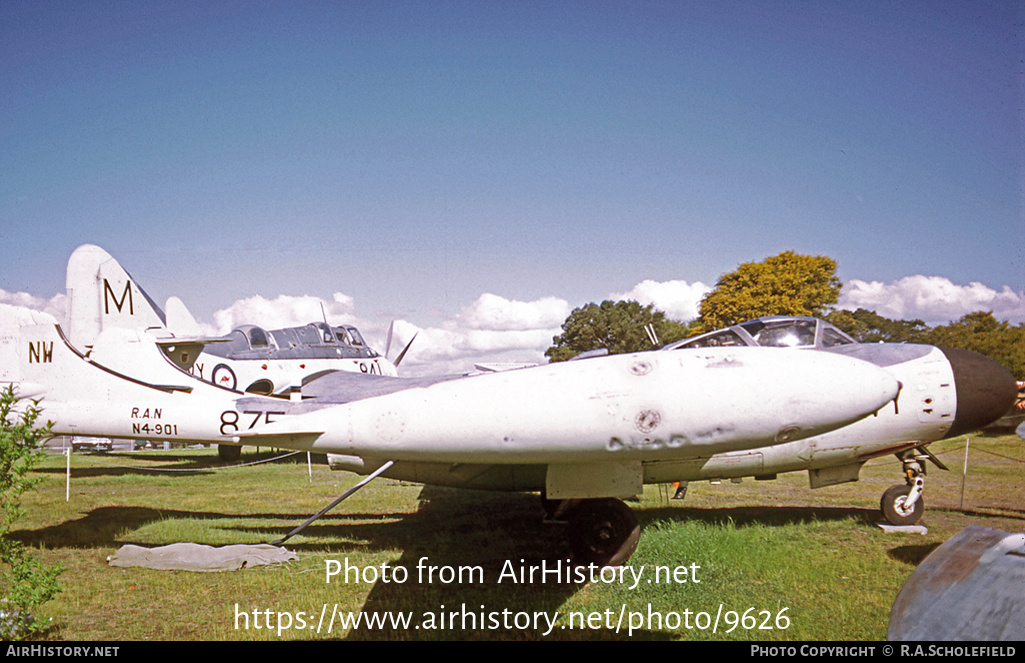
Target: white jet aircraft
(585, 433)
(945, 392)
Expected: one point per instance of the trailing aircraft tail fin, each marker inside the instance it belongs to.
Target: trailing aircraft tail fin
(179, 321)
(101, 294)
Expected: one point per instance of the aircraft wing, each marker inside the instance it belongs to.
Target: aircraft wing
(495, 367)
(330, 389)
(333, 388)
(200, 341)
(340, 387)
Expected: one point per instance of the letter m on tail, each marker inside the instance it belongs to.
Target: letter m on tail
(108, 295)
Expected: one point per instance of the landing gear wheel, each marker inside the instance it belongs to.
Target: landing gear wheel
(229, 453)
(894, 510)
(603, 532)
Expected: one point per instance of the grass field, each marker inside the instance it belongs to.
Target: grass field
(756, 560)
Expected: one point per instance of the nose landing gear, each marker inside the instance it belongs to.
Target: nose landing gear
(903, 505)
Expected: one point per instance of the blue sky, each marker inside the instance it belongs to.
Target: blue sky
(415, 157)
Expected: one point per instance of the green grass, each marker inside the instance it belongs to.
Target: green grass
(770, 549)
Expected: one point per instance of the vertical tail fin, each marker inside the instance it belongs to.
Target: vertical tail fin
(179, 321)
(101, 294)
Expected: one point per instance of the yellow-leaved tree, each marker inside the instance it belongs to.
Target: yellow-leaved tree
(785, 284)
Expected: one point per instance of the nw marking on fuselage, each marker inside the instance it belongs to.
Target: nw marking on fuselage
(127, 294)
(40, 352)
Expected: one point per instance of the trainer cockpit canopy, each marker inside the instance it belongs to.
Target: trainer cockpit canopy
(771, 332)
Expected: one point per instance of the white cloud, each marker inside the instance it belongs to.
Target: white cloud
(679, 300)
(491, 329)
(491, 312)
(933, 299)
(14, 317)
(284, 311)
(18, 304)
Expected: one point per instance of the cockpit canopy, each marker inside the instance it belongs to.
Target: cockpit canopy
(771, 332)
(250, 337)
(314, 340)
(349, 335)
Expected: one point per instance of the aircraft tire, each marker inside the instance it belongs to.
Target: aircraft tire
(892, 506)
(229, 453)
(603, 532)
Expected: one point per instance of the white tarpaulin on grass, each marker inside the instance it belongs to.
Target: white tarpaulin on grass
(198, 557)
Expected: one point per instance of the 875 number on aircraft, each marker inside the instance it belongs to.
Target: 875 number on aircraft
(232, 421)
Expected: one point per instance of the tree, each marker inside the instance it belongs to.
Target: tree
(786, 284)
(869, 327)
(616, 326)
(24, 582)
(982, 333)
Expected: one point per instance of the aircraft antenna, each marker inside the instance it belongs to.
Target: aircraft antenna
(652, 336)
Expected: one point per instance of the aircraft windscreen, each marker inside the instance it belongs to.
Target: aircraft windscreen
(239, 342)
(326, 333)
(258, 338)
(771, 332)
(832, 337)
(357, 339)
(724, 338)
(783, 334)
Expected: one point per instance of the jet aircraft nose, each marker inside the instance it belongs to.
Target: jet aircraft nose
(985, 390)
